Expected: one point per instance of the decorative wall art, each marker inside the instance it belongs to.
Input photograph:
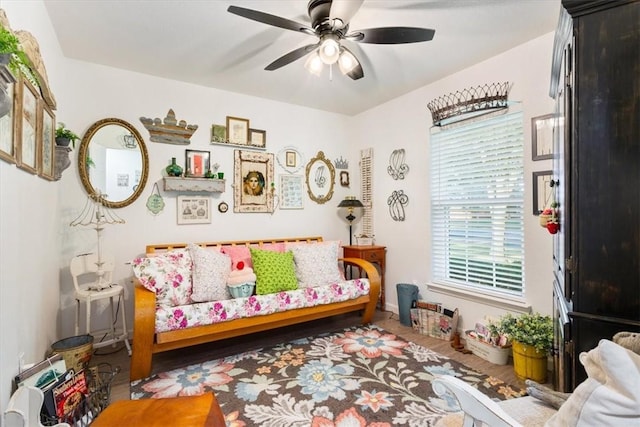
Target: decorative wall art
(542, 137)
(253, 178)
(238, 133)
(320, 178)
(291, 191)
(47, 141)
(7, 141)
(341, 163)
(238, 130)
(542, 190)
(290, 159)
(169, 130)
(155, 203)
(344, 178)
(194, 210)
(397, 167)
(258, 138)
(196, 163)
(27, 147)
(397, 201)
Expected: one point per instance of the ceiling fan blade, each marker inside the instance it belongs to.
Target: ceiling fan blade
(269, 19)
(291, 56)
(344, 10)
(357, 72)
(392, 35)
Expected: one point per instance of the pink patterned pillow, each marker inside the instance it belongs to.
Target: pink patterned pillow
(210, 271)
(168, 275)
(242, 253)
(317, 264)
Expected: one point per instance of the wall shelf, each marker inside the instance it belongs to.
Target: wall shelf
(210, 185)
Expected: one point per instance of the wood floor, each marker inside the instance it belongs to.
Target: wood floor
(197, 354)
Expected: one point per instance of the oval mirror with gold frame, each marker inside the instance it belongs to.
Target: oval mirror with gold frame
(114, 162)
(320, 178)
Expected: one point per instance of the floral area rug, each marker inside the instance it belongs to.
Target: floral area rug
(360, 376)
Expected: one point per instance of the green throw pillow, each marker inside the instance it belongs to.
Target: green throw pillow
(275, 271)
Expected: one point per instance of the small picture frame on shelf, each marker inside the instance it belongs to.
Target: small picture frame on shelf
(237, 130)
(258, 138)
(197, 163)
(218, 134)
(194, 210)
(47, 142)
(542, 137)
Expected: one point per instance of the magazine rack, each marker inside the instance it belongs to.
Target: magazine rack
(99, 380)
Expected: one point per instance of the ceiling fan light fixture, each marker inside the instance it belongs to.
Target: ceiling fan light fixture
(347, 62)
(329, 50)
(314, 64)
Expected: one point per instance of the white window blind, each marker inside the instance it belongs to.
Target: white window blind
(366, 190)
(477, 189)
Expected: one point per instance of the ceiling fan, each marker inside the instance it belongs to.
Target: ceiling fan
(330, 23)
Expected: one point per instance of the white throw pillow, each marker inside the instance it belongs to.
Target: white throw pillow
(210, 272)
(610, 396)
(316, 263)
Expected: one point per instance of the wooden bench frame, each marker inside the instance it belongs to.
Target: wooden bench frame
(146, 342)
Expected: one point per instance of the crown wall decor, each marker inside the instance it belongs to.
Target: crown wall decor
(469, 103)
(341, 163)
(169, 130)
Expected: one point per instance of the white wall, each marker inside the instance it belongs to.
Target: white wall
(36, 243)
(405, 122)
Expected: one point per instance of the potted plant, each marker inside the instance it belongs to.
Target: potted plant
(532, 339)
(11, 54)
(65, 136)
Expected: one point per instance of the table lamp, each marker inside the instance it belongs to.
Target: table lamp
(350, 202)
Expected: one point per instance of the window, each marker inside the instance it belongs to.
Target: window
(477, 194)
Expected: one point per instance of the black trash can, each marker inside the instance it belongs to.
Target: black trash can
(407, 295)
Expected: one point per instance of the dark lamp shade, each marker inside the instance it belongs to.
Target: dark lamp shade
(351, 203)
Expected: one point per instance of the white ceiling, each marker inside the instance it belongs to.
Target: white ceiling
(199, 42)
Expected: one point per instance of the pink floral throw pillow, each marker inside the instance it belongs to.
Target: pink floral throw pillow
(168, 275)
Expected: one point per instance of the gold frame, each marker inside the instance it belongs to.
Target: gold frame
(247, 165)
(47, 141)
(26, 89)
(237, 130)
(84, 151)
(316, 179)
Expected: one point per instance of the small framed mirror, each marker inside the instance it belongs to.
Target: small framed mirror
(113, 161)
(320, 178)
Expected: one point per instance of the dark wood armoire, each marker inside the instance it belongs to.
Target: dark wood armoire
(596, 84)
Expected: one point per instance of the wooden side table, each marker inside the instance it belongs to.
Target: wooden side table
(375, 255)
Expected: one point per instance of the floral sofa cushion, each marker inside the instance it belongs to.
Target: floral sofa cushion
(168, 275)
(170, 318)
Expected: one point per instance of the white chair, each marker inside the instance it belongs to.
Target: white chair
(479, 410)
(24, 409)
(98, 288)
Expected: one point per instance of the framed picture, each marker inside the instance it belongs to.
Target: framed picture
(258, 138)
(196, 163)
(27, 147)
(47, 141)
(290, 159)
(344, 178)
(194, 210)
(218, 134)
(541, 191)
(542, 137)
(253, 178)
(7, 129)
(237, 130)
(291, 191)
